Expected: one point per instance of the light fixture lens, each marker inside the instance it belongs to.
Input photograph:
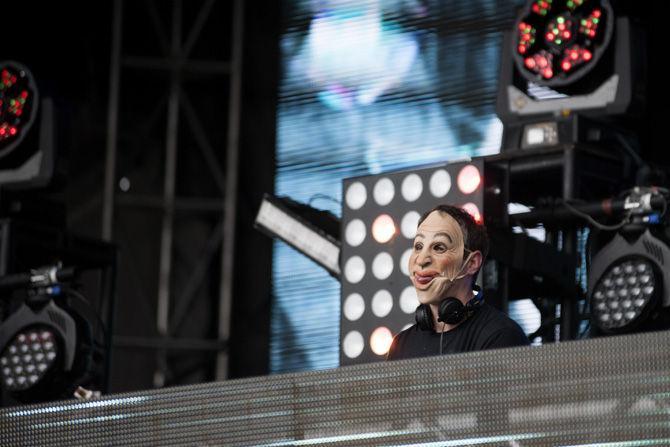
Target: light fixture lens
(473, 210)
(623, 293)
(440, 183)
(384, 191)
(380, 340)
(469, 179)
(27, 358)
(383, 228)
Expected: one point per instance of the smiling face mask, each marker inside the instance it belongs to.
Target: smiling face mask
(437, 257)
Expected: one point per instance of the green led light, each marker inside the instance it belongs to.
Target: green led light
(560, 20)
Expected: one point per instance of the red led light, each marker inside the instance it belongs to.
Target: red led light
(586, 55)
(547, 73)
(473, 210)
(469, 179)
(522, 49)
(566, 66)
(550, 36)
(530, 62)
(12, 131)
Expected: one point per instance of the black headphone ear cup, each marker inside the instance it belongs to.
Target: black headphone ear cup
(424, 317)
(452, 311)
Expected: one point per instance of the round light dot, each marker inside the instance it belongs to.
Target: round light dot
(382, 265)
(353, 344)
(354, 269)
(382, 303)
(380, 340)
(383, 191)
(404, 261)
(354, 234)
(354, 306)
(440, 183)
(383, 228)
(411, 187)
(409, 223)
(356, 195)
(469, 179)
(408, 300)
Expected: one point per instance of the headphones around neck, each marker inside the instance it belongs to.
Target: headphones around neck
(451, 310)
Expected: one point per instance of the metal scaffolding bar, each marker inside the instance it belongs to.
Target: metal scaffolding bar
(230, 200)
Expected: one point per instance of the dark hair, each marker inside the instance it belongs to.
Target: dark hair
(475, 237)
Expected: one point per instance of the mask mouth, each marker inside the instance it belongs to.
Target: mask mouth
(425, 277)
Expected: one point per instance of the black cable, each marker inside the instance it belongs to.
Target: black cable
(594, 222)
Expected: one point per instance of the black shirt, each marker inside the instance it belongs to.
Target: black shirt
(487, 328)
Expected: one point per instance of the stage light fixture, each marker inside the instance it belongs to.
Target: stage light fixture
(28, 357)
(629, 282)
(52, 344)
(18, 105)
(27, 130)
(557, 42)
(312, 232)
(567, 66)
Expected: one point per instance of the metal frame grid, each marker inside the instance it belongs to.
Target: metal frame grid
(175, 62)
